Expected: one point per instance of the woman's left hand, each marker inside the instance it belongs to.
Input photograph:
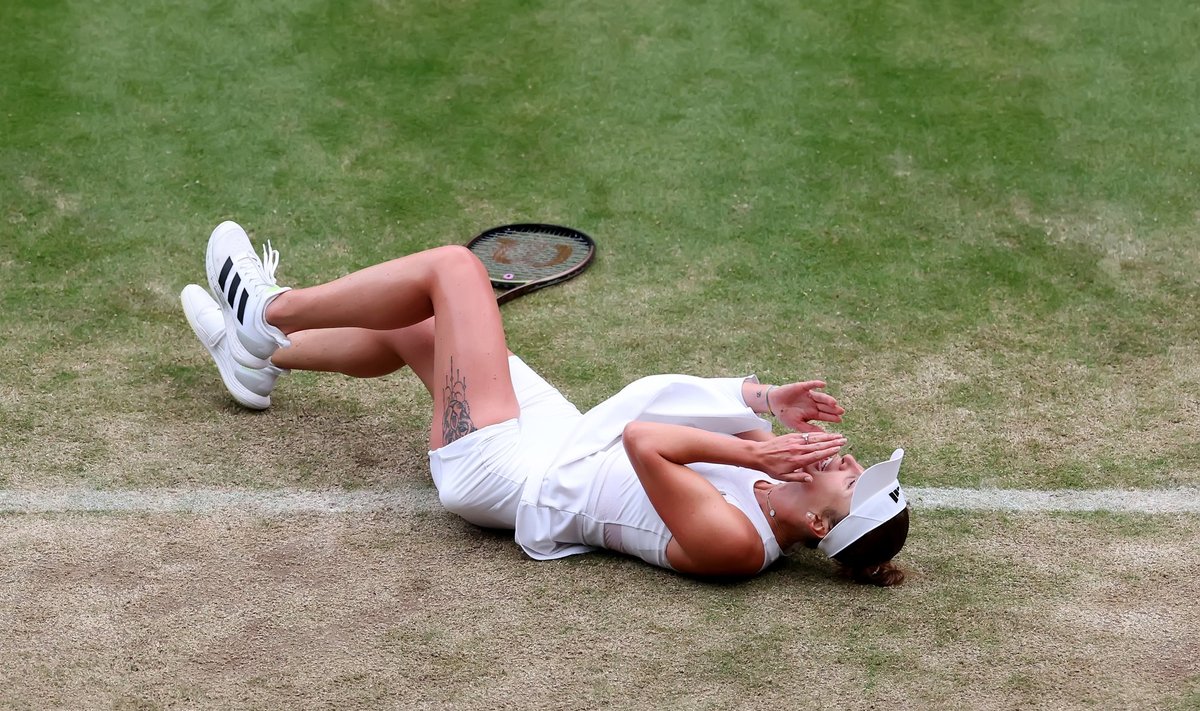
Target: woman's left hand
(785, 457)
(796, 405)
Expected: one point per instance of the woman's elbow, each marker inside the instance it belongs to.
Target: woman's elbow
(637, 439)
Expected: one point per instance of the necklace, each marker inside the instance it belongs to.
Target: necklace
(770, 508)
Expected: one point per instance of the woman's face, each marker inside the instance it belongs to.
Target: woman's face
(833, 482)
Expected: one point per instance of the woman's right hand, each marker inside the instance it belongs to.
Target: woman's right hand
(786, 456)
(797, 405)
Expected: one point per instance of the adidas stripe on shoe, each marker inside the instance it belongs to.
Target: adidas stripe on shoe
(243, 286)
(251, 387)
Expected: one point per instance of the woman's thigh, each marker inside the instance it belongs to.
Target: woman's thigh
(471, 384)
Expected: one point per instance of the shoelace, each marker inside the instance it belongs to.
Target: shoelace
(258, 270)
(270, 261)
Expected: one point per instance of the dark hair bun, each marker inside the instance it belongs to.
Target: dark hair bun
(884, 575)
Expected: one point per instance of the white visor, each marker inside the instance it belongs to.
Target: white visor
(877, 498)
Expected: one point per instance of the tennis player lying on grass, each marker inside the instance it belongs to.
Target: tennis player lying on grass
(676, 470)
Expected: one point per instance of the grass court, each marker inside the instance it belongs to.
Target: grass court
(977, 221)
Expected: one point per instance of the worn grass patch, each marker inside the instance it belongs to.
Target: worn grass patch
(1001, 612)
(999, 421)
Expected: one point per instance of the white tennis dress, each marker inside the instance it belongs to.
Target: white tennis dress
(563, 481)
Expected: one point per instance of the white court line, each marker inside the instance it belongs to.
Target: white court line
(1182, 500)
(267, 501)
(415, 498)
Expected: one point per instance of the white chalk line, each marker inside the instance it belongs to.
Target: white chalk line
(416, 499)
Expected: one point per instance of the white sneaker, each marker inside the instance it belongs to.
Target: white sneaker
(249, 386)
(243, 287)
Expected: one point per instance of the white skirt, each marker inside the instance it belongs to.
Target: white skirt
(480, 477)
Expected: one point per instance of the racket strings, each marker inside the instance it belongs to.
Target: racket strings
(521, 256)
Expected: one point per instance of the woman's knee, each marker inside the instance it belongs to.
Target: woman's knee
(459, 276)
(458, 260)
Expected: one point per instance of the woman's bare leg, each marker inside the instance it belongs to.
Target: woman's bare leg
(469, 381)
(361, 352)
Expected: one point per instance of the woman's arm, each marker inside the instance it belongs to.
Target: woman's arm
(756, 435)
(709, 536)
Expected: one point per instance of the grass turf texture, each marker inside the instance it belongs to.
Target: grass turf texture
(359, 612)
(977, 221)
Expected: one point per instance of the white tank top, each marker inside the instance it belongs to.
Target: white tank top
(611, 510)
(632, 526)
(590, 497)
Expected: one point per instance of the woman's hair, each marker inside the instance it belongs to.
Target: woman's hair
(868, 560)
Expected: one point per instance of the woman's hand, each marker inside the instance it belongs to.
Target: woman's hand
(796, 405)
(785, 457)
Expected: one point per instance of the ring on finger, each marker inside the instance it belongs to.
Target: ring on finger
(806, 438)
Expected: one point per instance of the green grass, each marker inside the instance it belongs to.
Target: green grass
(850, 191)
(977, 221)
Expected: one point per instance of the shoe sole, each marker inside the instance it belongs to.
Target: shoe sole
(244, 396)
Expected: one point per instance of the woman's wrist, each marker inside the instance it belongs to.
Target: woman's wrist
(755, 396)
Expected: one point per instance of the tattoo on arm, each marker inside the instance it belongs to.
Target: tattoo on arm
(456, 417)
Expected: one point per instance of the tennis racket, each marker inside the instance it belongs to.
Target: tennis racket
(527, 257)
